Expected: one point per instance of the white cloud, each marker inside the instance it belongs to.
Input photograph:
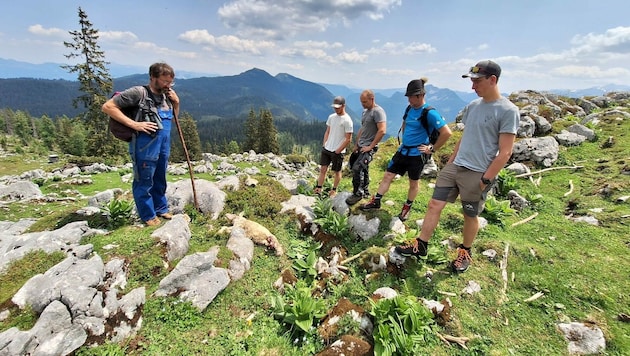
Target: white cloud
(152, 47)
(589, 72)
(613, 40)
(40, 30)
(118, 36)
(279, 19)
(232, 44)
(352, 57)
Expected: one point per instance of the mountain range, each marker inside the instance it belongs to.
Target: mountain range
(46, 89)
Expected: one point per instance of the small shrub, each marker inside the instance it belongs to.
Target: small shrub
(506, 181)
(119, 212)
(496, 210)
(298, 308)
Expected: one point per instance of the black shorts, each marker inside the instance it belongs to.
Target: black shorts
(401, 164)
(328, 157)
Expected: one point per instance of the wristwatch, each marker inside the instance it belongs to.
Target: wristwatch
(485, 181)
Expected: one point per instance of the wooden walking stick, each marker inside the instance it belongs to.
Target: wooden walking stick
(190, 170)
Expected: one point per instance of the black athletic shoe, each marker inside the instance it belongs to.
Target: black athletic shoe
(416, 248)
(353, 199)
(463, 260)
(372, 204)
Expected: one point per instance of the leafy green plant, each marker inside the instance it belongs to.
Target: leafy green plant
(172, 313)
(298, 307)
(335, 224)
(496, 210)
(401, 324)
(119, 212)
(322, 207)
(305, 267)
(506, 181)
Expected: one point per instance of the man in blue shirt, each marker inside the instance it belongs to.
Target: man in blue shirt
(415, 149)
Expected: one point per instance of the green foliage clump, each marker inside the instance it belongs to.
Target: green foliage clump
(506, 181)
(172, 313)
(119, 212)
(401, 326)
(496, 210)
(263, 201)
(298, 308)
(295, 158)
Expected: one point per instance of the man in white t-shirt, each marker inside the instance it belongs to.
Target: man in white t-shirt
(337, 137)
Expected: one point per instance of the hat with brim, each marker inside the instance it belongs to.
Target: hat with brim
(483, 69)
(338, 102)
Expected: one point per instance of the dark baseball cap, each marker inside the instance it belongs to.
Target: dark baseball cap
(338, 102)
(483, 69)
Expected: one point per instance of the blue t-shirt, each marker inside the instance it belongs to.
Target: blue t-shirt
(414, 134)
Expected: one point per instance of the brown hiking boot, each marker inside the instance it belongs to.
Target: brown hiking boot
(153, 222)
(416, 248)
(372, 204)
(167, 216)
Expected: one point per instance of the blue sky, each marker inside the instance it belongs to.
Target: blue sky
(379, 44)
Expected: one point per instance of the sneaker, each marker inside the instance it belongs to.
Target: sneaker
(463, 260)
(332, 193)
(353, 199)
(416, 248)
(373, 204)
(405, 212)
(153, 222)
(167, 216)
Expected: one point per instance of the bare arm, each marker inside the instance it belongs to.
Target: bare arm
(345, 143)
(506, 143)
(381, 126)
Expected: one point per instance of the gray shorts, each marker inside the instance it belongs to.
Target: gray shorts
(454, 181)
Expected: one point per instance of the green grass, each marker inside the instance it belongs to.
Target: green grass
(581, 269)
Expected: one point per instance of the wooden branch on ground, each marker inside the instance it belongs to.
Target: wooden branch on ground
(546, 170)
(351, 258)
(504, 275)
(461, 340)
(534, 297)
(527, 219)
(570, 188)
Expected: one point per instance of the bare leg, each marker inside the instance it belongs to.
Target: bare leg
(471, 227)
(383, 187)
(413, 190)
(431, 219)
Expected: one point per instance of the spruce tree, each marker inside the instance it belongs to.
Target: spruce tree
(191, 137)
(251, 132)
(267, 134)
(95, 86)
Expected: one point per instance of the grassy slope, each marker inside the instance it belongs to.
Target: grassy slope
(581, 269)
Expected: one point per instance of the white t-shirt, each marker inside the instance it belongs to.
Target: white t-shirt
(339, 126)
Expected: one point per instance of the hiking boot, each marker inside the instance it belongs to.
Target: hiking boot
(332, 192)
(416, 248)
(153, 222)
(353, 199)
(167, 216)
(317, 190)
(463, 260)
(372, 204)
(405, 212)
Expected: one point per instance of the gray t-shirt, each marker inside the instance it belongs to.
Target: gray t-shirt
(369, 119)
(484, 121)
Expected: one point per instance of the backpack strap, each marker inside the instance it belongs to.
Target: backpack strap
(403, 121)
(424, 119)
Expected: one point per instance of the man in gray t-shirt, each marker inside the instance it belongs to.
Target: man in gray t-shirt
(373, 126)
(490, 126)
